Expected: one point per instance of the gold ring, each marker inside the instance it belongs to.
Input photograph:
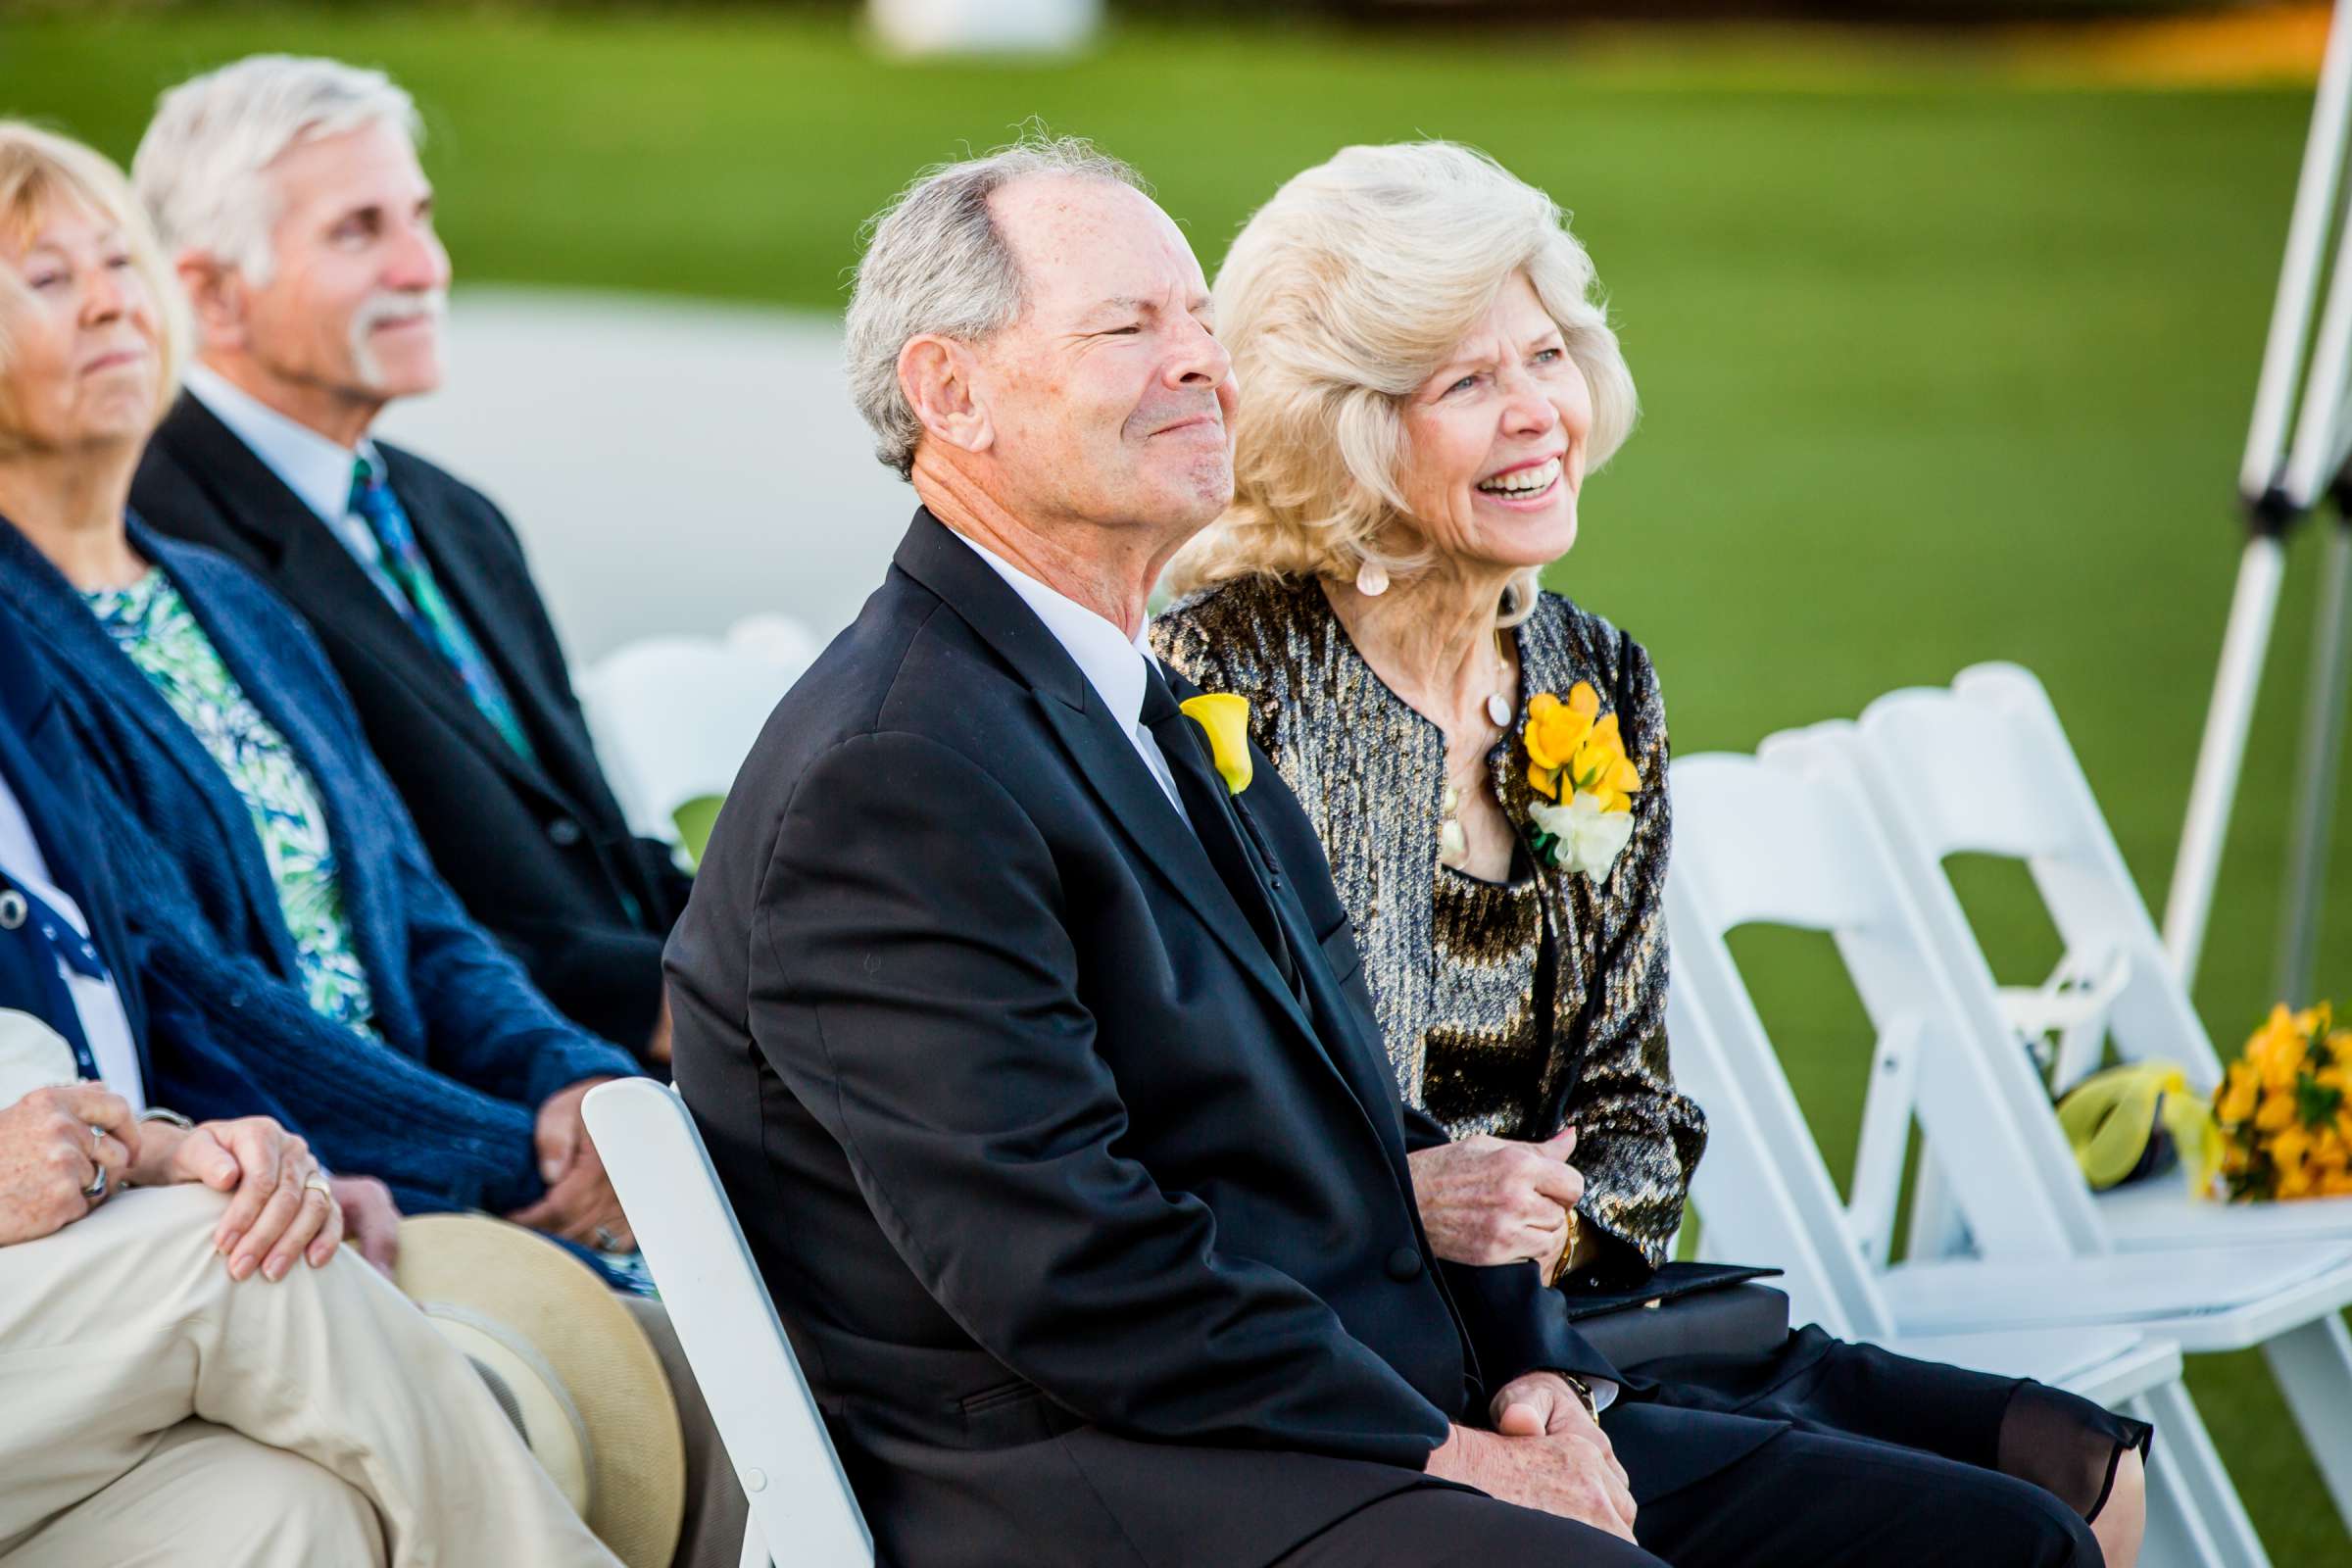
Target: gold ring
(317, 1184)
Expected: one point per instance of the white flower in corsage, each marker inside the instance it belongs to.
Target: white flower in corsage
(1576, 760)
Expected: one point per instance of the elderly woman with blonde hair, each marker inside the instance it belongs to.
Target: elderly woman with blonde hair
(175, 1388)
(1428, 381)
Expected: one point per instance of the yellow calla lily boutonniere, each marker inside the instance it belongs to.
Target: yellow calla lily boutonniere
(1576, 760)
(1226, 719)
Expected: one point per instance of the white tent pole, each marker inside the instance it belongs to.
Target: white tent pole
(2252, 609)
(2272, 505)
(2299, 272)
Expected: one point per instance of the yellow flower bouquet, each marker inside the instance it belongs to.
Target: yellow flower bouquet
(2286, 1126)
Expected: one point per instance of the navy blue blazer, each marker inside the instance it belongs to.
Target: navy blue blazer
(42, 763)
(440, 1102)
(36, 759)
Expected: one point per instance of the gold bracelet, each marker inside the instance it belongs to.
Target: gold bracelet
(1567, 1258)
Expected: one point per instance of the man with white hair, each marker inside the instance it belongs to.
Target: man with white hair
(288, 193)
(1036, 1053)
(1028, 1031)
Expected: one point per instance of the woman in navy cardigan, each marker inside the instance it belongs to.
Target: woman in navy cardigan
(276, 891)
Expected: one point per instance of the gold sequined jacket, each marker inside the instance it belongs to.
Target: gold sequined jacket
(1371, 773)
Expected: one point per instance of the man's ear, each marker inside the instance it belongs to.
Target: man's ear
(938, 376)
(216, 299)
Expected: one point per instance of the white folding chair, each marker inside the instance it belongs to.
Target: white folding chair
(1764, 1196)
(1760, 843)
(674, 716)
(803, 1513)
(1984, 767)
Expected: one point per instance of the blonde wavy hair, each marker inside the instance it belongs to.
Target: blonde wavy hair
(1339, 298)
(41, 171)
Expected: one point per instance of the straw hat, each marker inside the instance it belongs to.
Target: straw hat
(569, 1365)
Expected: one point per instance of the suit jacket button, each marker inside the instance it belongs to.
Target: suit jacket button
(13, 908)
(564, 832)
(1404, 1264)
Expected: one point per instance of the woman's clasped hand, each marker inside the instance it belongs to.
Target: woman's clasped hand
(1487, 1200)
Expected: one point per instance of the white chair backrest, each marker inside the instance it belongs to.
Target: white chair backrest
(801, 1500)
(1984, 767)
(1756, 843)
(674, 716)
(1983, 1102)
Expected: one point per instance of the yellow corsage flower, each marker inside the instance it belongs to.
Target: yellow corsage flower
(1555, 730)
(1226, 719)
(1576, 760)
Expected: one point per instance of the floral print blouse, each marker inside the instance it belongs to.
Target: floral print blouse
(153, 625)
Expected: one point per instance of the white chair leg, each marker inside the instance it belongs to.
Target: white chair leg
(2177, 1536)
(2189, 1465)
(2314, 1368)
(1937, 1226)
(754, 1545)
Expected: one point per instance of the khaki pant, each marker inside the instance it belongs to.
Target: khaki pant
(153, 1412)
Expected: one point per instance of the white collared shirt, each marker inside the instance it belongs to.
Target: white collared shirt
(317, 470)
(103, 1023)
(1114, 664)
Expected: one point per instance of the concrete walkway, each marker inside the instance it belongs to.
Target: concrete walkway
(670, 466)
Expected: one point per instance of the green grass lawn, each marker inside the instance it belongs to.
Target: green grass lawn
(1938, 368)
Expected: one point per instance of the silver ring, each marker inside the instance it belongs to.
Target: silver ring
(608, 1240)
(97, 1188)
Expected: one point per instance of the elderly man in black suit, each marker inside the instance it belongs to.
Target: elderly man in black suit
(1029, 1035)
(289, 194)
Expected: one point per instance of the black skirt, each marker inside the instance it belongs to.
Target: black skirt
(2059, 1441)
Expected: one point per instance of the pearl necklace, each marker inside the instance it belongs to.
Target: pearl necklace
(1453, 845)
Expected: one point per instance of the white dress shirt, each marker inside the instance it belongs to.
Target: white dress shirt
(317, 470)
(1114, 664)
(103, 1023)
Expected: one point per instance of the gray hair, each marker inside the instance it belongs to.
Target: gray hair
(935, 263)
(201, 168)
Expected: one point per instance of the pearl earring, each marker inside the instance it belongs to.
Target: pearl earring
(1371, 579)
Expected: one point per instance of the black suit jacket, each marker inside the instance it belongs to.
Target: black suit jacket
(1097, 1242)
(539, 854)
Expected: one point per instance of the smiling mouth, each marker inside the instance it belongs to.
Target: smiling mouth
(1524, 484)
(401, 323)
(1197, 422)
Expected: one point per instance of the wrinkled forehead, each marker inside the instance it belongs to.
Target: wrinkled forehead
(1083, 241)
(368, 162)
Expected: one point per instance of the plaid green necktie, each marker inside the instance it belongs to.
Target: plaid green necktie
(426, 608)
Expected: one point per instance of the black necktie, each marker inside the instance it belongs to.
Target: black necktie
(1215, 819)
